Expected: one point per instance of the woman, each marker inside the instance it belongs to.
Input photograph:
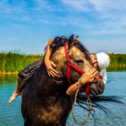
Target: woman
(101, 61)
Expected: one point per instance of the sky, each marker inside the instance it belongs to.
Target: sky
(27, 25)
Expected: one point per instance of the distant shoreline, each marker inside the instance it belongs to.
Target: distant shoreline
(14, 62)
(15, 73)
(8, 73)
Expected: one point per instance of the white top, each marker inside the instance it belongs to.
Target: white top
(104, 75)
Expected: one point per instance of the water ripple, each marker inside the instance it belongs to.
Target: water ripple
(10, 114)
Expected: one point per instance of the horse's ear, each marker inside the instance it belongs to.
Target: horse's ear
(71, 40)
(57, 39)
(77, 38)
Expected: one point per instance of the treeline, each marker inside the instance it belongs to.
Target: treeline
(14, 62)
(118, 62)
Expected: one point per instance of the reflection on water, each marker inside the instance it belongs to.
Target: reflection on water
(8, 78)
(10, 114)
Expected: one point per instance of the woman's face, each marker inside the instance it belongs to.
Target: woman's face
(94, 60)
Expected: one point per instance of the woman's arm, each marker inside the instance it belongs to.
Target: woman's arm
(50, 65)
(87, 77)
(72, 89)
(48, 50)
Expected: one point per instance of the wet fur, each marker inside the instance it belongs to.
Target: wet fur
(44, 102)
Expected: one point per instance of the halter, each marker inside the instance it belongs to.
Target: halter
(87, 90)
(77, 68)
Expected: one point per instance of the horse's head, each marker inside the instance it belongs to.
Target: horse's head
(77, 54)
(72, 59)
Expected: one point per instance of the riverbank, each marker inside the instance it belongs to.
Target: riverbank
(8, 73)
(12, 63)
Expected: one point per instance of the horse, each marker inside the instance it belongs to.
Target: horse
(44, 99)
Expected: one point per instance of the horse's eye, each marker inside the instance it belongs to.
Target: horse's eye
(78, 60)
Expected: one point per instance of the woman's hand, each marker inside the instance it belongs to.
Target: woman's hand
(88, 76)
(50, 67)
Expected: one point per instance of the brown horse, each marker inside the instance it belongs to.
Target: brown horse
(44, 99)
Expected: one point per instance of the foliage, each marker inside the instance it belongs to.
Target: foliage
(118, 62)
(14, 62)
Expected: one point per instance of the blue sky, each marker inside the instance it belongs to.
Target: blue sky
(27, 25)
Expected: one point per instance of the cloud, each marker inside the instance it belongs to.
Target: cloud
(98, 22)
(108, 5)
(110, 10)
(42, 12)
(16, 7)
(92, 17)
(41, 3)
(77, 5)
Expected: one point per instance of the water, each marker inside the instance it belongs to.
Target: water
(10, 114)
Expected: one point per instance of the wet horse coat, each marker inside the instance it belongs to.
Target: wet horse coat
(46, 103)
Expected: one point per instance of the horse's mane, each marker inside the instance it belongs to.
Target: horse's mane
(60, 41)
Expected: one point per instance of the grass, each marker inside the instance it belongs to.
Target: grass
(13, 62)
(118, 62)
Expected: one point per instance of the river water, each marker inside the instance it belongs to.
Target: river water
(10, 114)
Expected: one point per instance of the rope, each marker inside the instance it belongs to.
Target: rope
(78, 69)
(90, 107)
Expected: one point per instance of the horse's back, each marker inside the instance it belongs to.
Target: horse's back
(44, 100)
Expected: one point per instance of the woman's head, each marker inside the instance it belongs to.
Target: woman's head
(103, 60)
(100, 60)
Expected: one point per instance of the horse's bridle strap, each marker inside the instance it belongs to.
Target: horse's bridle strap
(75, 67)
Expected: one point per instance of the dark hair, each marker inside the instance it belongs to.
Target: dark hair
(60, 41)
